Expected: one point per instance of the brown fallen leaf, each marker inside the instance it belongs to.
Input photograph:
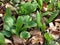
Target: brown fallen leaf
(36, 39)
(57, 20)
(26, 0)
(57, 24)
(18, 41)
(8, 42)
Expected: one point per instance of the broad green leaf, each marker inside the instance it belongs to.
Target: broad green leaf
(27, 19)
(38, 19)
(19, 24)
(53, 16)
(31, 24)
(2, 39)
(9, 21)
(25, 34)
(6, 27)
(59, 4)
(28, 8)
(13, 31)
(6, 33)
(48, 37)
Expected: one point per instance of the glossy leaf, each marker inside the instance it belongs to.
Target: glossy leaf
(25, 34)
(19, 24)
(28, 8)
(6, 33)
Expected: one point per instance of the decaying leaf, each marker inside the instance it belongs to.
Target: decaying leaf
(8, 42)
(18, 41)
(36, 38)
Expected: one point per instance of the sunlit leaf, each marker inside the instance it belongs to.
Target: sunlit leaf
(48, 37)
(2, 39)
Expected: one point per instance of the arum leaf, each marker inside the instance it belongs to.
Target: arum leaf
(9, 21)
(6, 33)
(19, 24)
(28, 8)
(25, 34)
(31, 24)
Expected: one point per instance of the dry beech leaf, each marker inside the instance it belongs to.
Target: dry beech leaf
(57, 25)
(9, 42)
(57, 20)
(37, 37)
(18, 40)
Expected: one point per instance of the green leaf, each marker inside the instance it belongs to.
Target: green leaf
(27, 19)
(9, 21)
(8, 12)
(0, 3)
(40, 4)
(25, 34)
(46, 1)
(6, 33)
(2, 39)
(43, 27)
(15, 1)
(31, 24)
(48, 37)
(53, 43)
(50, 6)
(6, 27)
(19, 24)
(59, 4)
(28, 8)
(13, 31)
(38, 19)
(47, 13)
(53, 16)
